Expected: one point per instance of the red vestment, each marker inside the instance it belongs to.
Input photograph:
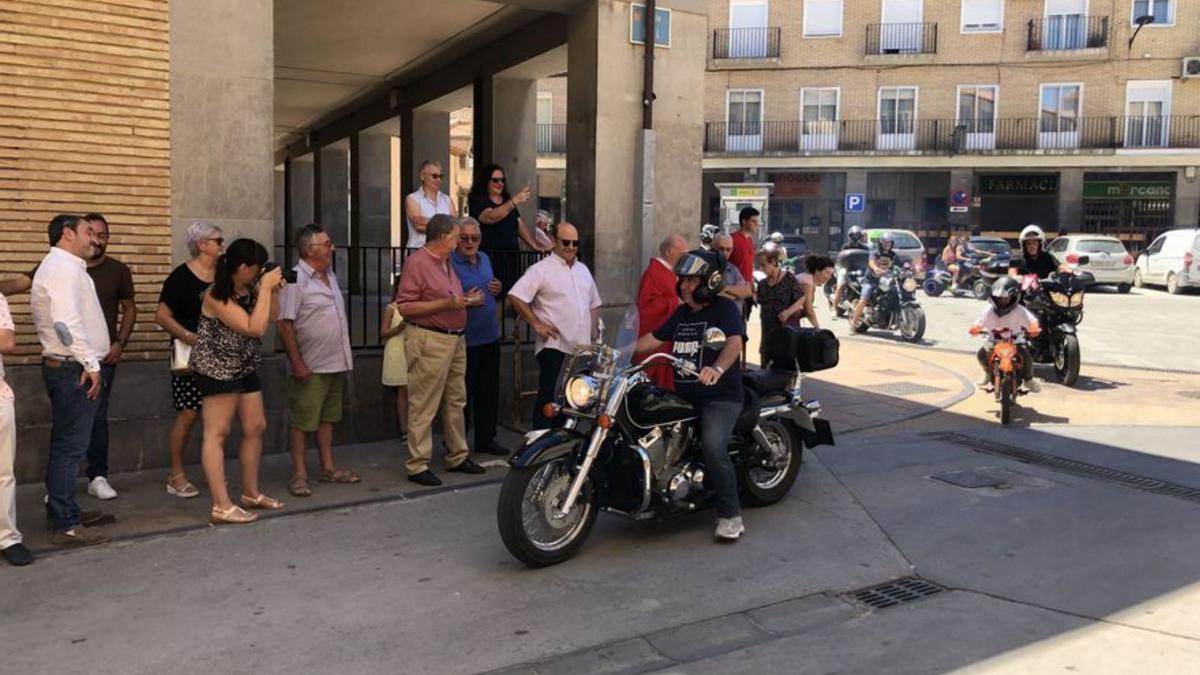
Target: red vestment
(656, 302)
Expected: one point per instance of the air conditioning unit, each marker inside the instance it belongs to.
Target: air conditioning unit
(1191, 67)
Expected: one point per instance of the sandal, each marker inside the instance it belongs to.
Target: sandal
(261, 502)
(338, 476)
(234, 514)
(299, 487)
(180, 486)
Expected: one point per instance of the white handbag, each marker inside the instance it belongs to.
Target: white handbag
(180, 353)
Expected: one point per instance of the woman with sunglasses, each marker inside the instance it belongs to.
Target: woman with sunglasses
(426, 202)
(503, 229)
(179, 314)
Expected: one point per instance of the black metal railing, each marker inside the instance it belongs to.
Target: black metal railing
(948, 136)
(901, 38)
(551, 139)
(366, 276)
(1068, 31)
(746, 43)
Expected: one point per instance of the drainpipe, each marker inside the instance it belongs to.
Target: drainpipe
(648, 146)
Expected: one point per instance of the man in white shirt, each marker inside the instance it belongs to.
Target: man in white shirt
(11, 548)
(425, 203)
(74, 335)
(558, 298)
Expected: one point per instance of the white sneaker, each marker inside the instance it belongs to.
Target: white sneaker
(99, 488)
(729, 528)
(1033, 386)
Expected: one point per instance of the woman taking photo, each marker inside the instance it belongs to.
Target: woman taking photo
(820, 271)
(179, 314)
(234, 316)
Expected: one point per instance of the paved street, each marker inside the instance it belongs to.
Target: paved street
(1145, 328)
(1054, 569)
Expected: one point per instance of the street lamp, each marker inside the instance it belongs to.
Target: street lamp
(1140, 21)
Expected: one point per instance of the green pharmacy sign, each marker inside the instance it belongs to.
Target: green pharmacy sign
(1127, 190)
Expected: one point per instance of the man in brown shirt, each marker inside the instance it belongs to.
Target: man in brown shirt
(114, 289)
(431, 299)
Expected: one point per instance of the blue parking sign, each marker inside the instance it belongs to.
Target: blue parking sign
(855, 202)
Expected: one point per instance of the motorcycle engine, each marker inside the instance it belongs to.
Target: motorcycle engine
(683, 485)
(665, 447)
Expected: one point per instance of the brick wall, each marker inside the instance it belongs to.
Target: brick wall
(961, 58)
(84, 126)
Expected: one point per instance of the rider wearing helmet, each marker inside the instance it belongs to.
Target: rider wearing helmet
(707, 234)
(883, 256)
(855, 241)
(716, 393)
(1005, 311)
(1034, 258)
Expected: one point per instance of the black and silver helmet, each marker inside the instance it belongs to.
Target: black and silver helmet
(1006, 292)
(855, 234)
(709, 266)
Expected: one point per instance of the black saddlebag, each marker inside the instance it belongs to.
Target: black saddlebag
(813, 349)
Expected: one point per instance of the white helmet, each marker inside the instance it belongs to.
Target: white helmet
(1032, 232)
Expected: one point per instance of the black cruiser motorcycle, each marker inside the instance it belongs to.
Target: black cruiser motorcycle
(632, 449)
(1057, 301)
(894, 305)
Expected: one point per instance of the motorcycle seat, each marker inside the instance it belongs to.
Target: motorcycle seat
(766, 381)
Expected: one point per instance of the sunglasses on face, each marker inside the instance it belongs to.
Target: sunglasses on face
(569, 243)
(436, 176)
(220, 240)
(499, 180)
(469, 238)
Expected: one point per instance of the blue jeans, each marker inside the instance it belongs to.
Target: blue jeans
(70, 434)
(717, 419)
(97, 453)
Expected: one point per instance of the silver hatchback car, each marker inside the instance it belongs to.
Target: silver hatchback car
(1108, 262)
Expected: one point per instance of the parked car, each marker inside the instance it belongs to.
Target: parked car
(797, 249)
(1170, 260)
(1108, 261)
(907, 244)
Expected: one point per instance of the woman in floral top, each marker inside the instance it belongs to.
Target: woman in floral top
(237, 310)
(780, 295)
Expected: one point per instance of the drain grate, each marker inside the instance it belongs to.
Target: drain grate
(903, 389)
(969, 479)
(893, 593)
(1073, 467)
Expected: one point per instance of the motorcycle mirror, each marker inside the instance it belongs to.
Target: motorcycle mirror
(714, 338)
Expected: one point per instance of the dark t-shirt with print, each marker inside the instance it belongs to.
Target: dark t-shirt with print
(685, 331)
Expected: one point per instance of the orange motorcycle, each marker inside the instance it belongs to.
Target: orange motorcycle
(1006, 365)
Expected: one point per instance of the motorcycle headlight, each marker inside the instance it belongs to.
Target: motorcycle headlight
(910, 285)
(582, 391)
(1077, 299)
(1060, 299)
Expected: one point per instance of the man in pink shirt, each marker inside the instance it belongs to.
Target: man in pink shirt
(432, 301)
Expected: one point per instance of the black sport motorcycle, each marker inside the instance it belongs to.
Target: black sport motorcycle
(632, 449)
(894, 304)
(1057, 301)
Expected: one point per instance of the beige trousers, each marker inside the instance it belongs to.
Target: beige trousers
(437, 371)
(8, 481)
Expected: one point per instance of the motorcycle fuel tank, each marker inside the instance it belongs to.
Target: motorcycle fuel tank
(648, 406)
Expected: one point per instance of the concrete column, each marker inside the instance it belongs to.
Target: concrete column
(302, 192)
(335, 193)
(1187, 198)
(604, 137)
(431, 140)
(514, 137)
(1070, 202)
(374, 189)
(856, 182)
(222, 118)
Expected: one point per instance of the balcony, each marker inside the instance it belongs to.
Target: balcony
(885, 39)
(746, 43)
(1067, 33)
(947, 136)
(551, 139)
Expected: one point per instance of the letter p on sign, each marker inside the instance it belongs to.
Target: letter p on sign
(855, 202)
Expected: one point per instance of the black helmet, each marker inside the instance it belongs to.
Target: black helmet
(1006, 291)
(709, 266)
(855, 234)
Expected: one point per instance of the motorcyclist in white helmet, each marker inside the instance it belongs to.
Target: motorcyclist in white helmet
(1034, 258)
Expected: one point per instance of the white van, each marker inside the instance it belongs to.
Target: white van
(1172, 260)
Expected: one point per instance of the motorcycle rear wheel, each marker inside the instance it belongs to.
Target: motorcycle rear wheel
(524, 514)
(933, 287)
(981, 289)
(765, 485)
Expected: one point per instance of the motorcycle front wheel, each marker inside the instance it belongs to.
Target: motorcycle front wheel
(1067, 360)
(932, 287)
(912, 324)
(765, 480)
(527, 514)
(981, 289)
(1006, 399)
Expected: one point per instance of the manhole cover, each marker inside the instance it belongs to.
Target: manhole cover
(1191, 394)
(969, 479)
(903, 389)
(898, 592)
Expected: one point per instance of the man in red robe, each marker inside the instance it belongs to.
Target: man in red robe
(657, 300)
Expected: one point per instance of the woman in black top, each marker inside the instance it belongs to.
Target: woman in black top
(178, 314)
(235, 314)
(500, 223)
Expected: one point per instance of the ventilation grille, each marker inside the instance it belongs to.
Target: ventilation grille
(893, 593)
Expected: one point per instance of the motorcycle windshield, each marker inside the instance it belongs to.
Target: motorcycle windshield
(625, 338)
